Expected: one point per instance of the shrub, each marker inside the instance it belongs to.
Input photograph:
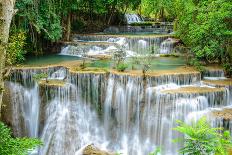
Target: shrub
(40, 76)
(157, 151)
(228, 69)
(201, 138)
(15, 50)
(15, 146)
(197, 64)
(121, 67)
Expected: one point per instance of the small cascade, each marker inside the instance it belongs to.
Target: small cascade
(167, 46)
(69, 124)
(122, 113)
(60, 74)
(133, 18)
(25, 106)
(88, 50)
(214, 74)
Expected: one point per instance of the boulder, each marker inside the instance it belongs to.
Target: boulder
(93, 150)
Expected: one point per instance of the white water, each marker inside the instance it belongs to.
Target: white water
(132, 46)
(118, 113)
(25, 101)
(133, 18)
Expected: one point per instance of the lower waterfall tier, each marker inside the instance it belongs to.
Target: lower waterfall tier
(121, 112)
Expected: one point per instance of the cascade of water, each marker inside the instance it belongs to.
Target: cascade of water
(133, 18)
(59, 74)
(25, 108)
(140, 45)
(122, 113)
(218, 73)
(167, 46)
(119, 112)
(69, 123)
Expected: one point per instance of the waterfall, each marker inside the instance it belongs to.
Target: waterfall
(133, 18)
(92, 45)
(25, 105)
(118, 112)
(167, 46)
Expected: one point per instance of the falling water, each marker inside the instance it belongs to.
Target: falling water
(89, 45)
(133, 18)
(122, 113)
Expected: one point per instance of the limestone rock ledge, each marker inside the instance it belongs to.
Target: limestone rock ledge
(93, 150)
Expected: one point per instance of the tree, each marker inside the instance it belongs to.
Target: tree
(7, 11)
(201, 139)
(205, 26)
(15, 146)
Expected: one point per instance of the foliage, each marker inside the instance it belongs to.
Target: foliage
(83, 65)
(201, 138)
(205, 26)
(156, 152)
(15, 50)
(160, 9)
(40, 76)
(197, 64)
(121, 67)
(228, 69)
(15, 146)
(119, 58)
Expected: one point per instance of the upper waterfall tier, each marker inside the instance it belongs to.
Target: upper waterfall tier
(133, 18)
(92, 44)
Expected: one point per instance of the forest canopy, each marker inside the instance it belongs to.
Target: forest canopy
(204, 26)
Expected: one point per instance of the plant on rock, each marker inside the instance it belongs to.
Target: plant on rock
(15, 146)
(202, 139)
(121, 67)
(40, 76)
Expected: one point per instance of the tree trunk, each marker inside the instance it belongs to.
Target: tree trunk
(6, 13)
(68, 28)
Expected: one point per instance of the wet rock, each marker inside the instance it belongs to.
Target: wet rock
(93, 150)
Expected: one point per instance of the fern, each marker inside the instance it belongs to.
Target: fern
(202, 139)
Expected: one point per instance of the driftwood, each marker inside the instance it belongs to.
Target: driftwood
(7, 72)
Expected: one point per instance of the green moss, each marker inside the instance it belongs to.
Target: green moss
(193, 90)
(58, 83)
(90, 69)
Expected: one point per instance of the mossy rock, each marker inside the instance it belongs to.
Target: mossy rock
(92, 150)
(52, 83)
(224, 114)
(193, 90)
(226, 82)
(90, 70)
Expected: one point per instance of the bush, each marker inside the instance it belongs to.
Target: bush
(121, 67)
(197, 64)
(228, 69)
(40, 76)
(15, 50)
(205, 26)
(15, 146)
(201, 138)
